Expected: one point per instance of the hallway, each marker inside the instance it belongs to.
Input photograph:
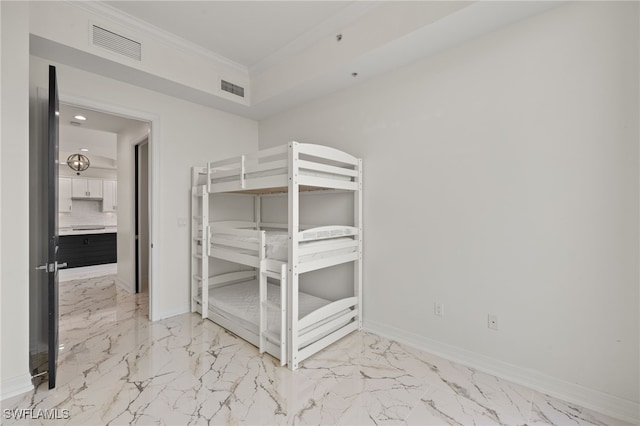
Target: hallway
(116, 367)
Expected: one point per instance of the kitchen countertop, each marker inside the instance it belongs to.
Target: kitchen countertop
(70, 231)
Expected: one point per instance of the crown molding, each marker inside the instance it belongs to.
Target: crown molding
(102, 10)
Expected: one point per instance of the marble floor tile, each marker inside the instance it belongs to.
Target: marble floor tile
(546, 410)
(117, 368)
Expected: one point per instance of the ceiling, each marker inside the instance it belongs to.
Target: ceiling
(98, 133)
(287, 52)
(244, 31)
(95, 120)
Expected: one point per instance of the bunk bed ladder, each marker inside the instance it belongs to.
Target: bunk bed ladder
(199, 240)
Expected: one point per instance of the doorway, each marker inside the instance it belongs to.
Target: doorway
(141, 160)
(137, 129)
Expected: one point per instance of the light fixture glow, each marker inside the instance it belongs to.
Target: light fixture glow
(80, 117)
(84, 150)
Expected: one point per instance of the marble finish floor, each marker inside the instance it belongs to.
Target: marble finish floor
(116, 367)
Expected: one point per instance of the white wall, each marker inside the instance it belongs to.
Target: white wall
(14, 217)
(501, 177)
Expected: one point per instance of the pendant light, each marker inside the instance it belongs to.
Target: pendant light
(78, 162)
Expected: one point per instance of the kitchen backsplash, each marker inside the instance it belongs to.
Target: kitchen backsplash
(87, 212)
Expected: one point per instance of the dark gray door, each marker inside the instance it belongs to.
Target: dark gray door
(52, 232)
(43, 289)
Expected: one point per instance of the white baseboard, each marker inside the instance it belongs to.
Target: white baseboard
(591, 399)
(15, 386)
(87, 272)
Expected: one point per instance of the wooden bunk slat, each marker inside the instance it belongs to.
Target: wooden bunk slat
(312, 165)
(231, 277)
(262, 167)
(230, 256)
(323, 232)
(221, 242)
(337, 245)
(326, 311)
(218, 226)
(326, 152)
(326, 341)
(315, 334)
(327, 183)
(314, 265)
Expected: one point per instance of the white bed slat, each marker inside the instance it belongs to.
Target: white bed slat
(273, 265)
(232, 276)
(326, 152)
(327, 232)
(314, 334)
(337, 245)
(221, 174)
(235, 257)
(326, 311)
(221, 242)
(273, 225)
(272, 337)
(240, 232)
(313, 265)
(326, 341)
(231, 224)
(311, 165)
(321, 182)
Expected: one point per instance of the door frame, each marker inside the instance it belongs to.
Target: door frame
(154, 182)
(137, 216)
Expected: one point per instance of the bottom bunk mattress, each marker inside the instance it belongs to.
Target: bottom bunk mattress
(240, 303)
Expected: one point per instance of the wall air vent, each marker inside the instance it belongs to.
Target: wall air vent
(232, 88)
(117, 43)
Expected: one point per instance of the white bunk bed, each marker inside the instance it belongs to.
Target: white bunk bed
(281, 320)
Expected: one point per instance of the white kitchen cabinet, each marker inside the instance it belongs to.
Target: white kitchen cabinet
(109, 196)
(64, 195)
(86, 188)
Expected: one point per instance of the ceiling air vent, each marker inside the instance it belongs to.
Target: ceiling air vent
(232, 88)
(117, 43)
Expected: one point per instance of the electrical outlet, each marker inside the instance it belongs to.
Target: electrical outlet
(492, 322)
(438, 309)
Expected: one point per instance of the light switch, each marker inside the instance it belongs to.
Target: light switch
(182, 222)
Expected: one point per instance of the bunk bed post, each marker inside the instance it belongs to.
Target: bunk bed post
(199, 233)
(284, 285)
(257, 210)
(194, 238)
(357, 223)
(294, 222)
(204, 262)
